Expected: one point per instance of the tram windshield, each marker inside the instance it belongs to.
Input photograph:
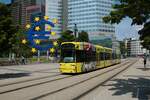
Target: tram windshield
(68, 59)
(68, 53)
(67, 56)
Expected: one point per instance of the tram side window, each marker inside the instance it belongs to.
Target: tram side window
(97, 56)
(90, 56)
(87, 56)
(107, 56)
(80, 56)
(93, 56)
(102, 56)
(110, 56)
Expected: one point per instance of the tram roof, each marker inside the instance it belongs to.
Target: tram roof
(97, 46)
(107, 48)
(77, 43)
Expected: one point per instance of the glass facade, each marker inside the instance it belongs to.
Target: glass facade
(19, 11)
(54, 10)
(88, 14)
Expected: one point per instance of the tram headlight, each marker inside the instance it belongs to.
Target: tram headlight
(73, 66)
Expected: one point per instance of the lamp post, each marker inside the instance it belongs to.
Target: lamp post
(75, 31)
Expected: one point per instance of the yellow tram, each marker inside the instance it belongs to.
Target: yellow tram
(78, 57)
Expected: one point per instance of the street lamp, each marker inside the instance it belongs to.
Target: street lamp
(75, 31)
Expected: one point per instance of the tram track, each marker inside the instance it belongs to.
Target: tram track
(26, 71)
(36, 84)
(93, 88)
(39, 83)
(28, 80)
(67, 87)
(31, 79)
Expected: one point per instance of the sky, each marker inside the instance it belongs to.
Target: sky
(123, 29)
(5, 1)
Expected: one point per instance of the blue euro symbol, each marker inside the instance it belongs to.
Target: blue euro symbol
(40, 35)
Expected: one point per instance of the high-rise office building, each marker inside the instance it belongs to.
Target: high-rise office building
(88, 14)
(41, 3)
(134, 47)
(54, 10)
(30, 11)
(64, 15)
(21, 10)
(57, 9)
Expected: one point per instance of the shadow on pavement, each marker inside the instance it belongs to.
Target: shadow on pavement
(140, 88)
(144, 69)
(137, 76)
(13, 75)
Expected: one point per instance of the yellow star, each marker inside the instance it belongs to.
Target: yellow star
(49, 28)
(37, 41)
(52, 50)
(53, 33)
(37, 28)
(33, 50)
(37, 19)
(24, 41)
(28, 26)
(55, 21)
(46, 17)
(55, 43)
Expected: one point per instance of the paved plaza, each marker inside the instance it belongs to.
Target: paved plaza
(44, 80)
(133, 84)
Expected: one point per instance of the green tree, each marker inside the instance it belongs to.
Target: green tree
(11, 35)
(7, 29)
(17, 47)
(137, 10)
(66, 36)
(145, 35)
(83, 37)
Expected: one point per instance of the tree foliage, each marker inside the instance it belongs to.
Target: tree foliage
(83, 37)
(67, 36)
(17, 47)
(137, 10)
(10, 35)
(7, 29)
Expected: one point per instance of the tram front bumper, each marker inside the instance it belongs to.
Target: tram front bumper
(67, 68)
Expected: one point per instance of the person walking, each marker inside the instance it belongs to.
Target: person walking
(23, 60)
(145, 60)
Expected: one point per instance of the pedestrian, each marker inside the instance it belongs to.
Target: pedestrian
(22, 60)
(13, 58)
(145, 60)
